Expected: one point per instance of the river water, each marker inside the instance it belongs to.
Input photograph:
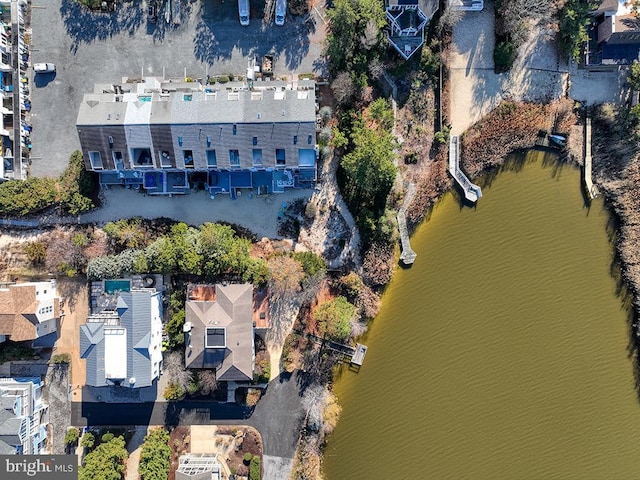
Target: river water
(502, 354)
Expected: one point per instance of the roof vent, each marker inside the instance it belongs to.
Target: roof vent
(186, 327)
(283, 112)
(259, 115)
(132, 380)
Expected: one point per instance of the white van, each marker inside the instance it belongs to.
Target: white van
(281, 11)
(243, 12)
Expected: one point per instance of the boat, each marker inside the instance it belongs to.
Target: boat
(559, 140)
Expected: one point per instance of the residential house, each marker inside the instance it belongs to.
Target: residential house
(122, 338)
(14, 131)
(199, 467)
(406, 22)
(169, 137)
(615, 36)
(23, 417)
(30, 311)
(219, 330)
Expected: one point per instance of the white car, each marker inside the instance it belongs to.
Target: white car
(44, 67)
(281, 11)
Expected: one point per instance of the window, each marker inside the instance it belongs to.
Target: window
(211, 158)
(295, 139)
(117, 160)
(235, 129)
(281, 156)
(187, 98)
(255, 140)
(165, 159)
(257, 157)
(141, 157)
(234, 158)
(96, 160)
(208, 141)
(309, 139)
(188, 158)
(180, 141)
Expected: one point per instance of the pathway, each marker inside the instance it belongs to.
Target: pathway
(408, 256)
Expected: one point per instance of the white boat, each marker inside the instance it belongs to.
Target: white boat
(558, 140)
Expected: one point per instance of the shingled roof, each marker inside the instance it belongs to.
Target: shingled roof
(221, 333)
(18, 312)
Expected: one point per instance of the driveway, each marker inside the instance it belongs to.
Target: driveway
(538, 74)
(90, 48)
(278, 416)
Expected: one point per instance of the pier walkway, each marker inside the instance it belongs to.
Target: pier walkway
(592, 191)
(472, 192)
(408, 256)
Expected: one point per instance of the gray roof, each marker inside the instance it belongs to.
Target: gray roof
(133, 314)
(10, 428)
(232, 310)
(270, 102)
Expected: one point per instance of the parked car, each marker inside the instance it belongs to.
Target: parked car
(243, 12)
(152, 12)
(44, 67)
(281, 11)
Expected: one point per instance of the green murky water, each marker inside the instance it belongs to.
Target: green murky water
(502, 354)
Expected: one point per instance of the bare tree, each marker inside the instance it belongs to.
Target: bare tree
(208, 382)
(369, 37)
(343, 88)
(174, 367)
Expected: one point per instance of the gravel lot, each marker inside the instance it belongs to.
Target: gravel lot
(90, 48)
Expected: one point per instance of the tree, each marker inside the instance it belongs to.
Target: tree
(155, 456)
(222, 251)
(334, 318)
(311, 263)
(355, 35)
(184, 241)
(127, 233)
(107, 462)
(286, 275)
(573, 20)
(634, 75)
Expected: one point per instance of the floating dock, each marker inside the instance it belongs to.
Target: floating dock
(472, 192)
(358, 356)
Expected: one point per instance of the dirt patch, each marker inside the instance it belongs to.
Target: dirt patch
(179, 442)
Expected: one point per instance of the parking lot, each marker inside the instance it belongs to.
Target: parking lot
(89, 48)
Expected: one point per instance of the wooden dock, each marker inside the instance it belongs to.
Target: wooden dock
(472, 192)
(358, 356)
(408, 256)
(592, 191)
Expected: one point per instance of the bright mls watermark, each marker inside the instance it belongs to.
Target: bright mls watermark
(44, 467)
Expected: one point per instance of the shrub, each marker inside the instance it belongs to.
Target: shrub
(88, 440)
(247, 458)
(504, 54)
(107, 461)
(71, 437)
(312, 264)
(61, 358)
(36, 252)
(173, 392)
(254, 468)
(223, 79)
(107, 437)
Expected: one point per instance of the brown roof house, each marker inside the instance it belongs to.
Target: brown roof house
(30, 311)
(219, 330)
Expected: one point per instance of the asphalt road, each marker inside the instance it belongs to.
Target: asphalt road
(278, 415)
(89, 48)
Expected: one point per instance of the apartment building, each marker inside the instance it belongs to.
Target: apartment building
(169, 137)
